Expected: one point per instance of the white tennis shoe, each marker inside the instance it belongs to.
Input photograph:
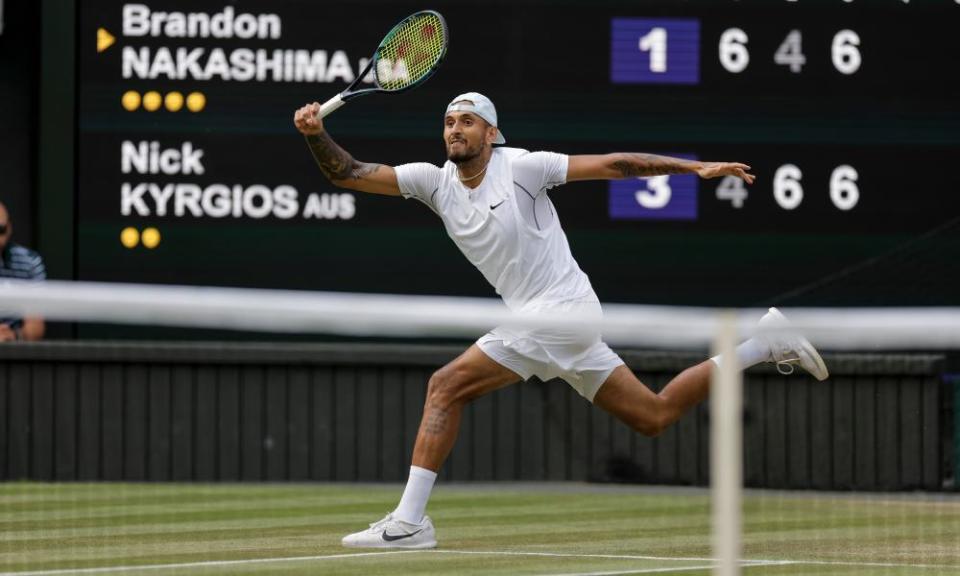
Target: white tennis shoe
(394, 533)
(788, 347)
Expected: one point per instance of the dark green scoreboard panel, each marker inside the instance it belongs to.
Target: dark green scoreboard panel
(190, 170)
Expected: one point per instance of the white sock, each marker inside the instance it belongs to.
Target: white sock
(414, 500)
(750, 353)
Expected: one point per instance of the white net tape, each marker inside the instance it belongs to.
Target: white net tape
(416, 316)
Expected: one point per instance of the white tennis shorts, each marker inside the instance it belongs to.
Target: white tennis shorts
(580, 358)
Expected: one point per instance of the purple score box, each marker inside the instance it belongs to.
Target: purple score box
(671, 197)
(672, 54)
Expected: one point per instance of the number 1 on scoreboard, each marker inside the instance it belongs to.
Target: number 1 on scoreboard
(655, 51)
(655, 42)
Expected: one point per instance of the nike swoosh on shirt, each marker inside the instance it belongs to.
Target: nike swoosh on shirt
(390, 537)
(494, 206)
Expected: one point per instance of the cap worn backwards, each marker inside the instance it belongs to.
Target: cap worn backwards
(480, 105)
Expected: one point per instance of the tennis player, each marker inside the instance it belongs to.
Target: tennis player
(494, 204)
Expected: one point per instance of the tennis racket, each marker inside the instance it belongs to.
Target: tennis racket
(407, 56)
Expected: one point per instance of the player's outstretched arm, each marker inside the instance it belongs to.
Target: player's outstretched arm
(337, 164)
(630, 164)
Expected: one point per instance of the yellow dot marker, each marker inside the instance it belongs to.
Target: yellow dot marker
(152, 101)
(173, 101)
(150, 237)
(196, 101)
(130, 100)
(129, 237)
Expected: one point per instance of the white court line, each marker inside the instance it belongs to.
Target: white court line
(666, 570)
(572, 555)
(746, 563)
(638, 571)
(207, 564)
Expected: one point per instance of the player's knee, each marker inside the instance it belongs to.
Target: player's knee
(654, 429)
(443, 388)
(648, 425)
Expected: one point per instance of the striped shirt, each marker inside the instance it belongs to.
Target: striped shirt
(19, 263)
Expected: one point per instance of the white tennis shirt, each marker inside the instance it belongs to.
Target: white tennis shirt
(507, 227)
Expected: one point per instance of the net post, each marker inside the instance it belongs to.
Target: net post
(726, 450)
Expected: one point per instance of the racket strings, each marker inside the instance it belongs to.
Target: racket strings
(411, 52)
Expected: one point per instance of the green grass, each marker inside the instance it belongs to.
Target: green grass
(483, 529)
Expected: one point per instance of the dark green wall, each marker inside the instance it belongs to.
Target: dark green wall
(274, 412)
(19, 62)
(57, 136)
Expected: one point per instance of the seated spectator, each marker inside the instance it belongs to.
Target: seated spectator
(17, 262)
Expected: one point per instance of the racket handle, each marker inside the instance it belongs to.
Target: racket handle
(329, 106)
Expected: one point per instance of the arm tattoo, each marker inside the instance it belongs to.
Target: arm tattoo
(335, 162)
(362, 169)
(633, 164)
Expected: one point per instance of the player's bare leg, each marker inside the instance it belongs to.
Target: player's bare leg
(466, 378)
(649, 413)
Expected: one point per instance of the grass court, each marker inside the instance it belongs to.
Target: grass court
(568, 529)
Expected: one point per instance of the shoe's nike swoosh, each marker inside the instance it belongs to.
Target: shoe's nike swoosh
(390, 537)
(494, 207)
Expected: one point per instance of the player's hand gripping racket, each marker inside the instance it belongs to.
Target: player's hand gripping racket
(408, 55)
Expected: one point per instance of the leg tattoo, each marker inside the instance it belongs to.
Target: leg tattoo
(437, 421)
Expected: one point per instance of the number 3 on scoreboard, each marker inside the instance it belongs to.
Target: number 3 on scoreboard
(656, 195)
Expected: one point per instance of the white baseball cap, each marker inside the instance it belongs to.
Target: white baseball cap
(481, 106)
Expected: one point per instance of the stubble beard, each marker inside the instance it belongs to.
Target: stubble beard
(465, 156)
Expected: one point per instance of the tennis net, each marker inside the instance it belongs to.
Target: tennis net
(877, 501)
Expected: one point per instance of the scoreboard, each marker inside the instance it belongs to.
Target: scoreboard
(190, 170)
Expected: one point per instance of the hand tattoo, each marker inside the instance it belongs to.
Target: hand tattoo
(335, 162)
